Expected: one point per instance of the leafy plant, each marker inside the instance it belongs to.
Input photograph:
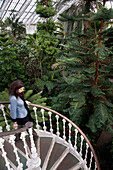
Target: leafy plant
(45, 8)
(85, 90)
(11, 68)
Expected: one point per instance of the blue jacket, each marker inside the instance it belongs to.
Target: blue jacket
(17, 108)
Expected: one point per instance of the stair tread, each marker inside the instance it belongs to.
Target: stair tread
(2, 163)
(10, 154)
(68, 162)
(56, 153)
(19, 143)
(45, 143)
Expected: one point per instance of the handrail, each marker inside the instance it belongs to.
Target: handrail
(5, 102)
(91, 147)
(12, 132)
(74, 125)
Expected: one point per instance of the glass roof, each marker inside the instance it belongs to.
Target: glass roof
(25, 9)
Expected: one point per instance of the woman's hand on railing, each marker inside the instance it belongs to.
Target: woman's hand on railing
(15, 125)
(27, 102)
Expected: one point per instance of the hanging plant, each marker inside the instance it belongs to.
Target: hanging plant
(45, 9)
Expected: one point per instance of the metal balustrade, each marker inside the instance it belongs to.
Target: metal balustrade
(61, 130)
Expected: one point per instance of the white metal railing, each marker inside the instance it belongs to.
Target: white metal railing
(64, 128)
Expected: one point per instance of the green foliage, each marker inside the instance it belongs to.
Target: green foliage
(43, 45)
(31, 97)
(49, 26)
(4, 95)
(41, 57)
(11, 68)
(85, 91)
(103, 14)
(99, 117)
(45, 8)
(35, 98)
(17, 30)
(41, 83)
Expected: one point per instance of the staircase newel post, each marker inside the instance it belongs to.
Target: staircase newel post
(35, 161)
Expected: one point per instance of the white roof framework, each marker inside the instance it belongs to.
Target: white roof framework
(25, 9)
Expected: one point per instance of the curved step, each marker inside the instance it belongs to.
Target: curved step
(48, 154)
(3, 163)
(55, 154)
(68, 162)
(11, 155)
(45, 143)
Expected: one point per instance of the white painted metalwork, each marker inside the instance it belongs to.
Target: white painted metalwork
(73, 140)
(37, 125)
(58, 133)
(87, 146)
(43, 118)
(35, 161)
(23, 134)
(64, 130)
(4, 154)
(91, 160)
(70, 134)
(20, 13)
(51, 128)
(3, 7)
(12, 141)
(82, 138)
(76, 132)
(7, 125)
(22, 8)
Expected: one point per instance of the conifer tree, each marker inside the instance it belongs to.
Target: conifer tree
(86, 88)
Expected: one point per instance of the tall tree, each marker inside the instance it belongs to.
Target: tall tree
(44, 45)
(10, 67)
(87, 67)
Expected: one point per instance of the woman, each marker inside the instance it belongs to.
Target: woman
(19, 111)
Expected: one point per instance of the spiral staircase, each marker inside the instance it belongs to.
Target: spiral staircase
(55, 144)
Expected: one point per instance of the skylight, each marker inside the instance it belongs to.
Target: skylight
(25, 9)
